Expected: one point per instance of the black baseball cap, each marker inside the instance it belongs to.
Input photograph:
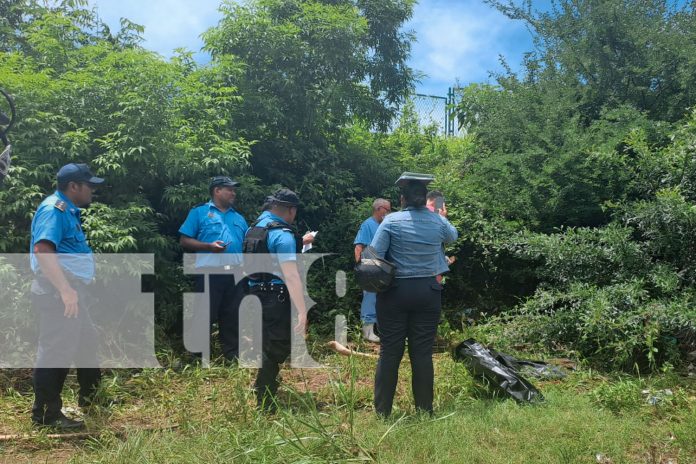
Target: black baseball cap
(285, 196)
(267, 202)
(222, 181)
(77, 172)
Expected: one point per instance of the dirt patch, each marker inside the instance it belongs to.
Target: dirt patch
(307, 380)
(27, 453)
(16, 379)
(658, 452)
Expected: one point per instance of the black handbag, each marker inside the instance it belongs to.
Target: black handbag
(373, 273)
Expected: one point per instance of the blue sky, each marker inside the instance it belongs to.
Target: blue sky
(457, 40)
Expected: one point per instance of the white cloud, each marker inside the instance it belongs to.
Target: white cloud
(462, 40)
(169, 24)
(456, 39)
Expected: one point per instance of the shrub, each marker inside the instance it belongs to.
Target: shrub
(618, 326)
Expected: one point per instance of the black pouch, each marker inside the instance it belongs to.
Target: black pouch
(372, 273)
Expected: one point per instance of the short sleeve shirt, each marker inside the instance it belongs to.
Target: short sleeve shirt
(57, 220)
(280, 242)
(412, 239)
(366, 232)
(206, 223)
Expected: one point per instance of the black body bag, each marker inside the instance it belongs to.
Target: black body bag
(482, 363)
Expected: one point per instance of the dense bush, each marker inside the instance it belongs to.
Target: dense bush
(624, 293)
(573, 188)
(617, 326)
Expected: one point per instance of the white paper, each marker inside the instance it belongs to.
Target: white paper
(306, 248)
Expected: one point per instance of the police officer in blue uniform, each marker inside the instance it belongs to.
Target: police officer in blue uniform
(63, 265)
(215, 230)
(274, 228)
(412, 239)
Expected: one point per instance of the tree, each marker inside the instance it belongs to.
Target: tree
(313, 65)
(156, 130)
(626, 52)
(600, 72)
(311, 69)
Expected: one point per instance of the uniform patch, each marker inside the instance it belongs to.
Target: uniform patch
(211, 215)
(61, 205)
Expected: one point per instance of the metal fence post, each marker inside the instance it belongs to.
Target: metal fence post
(450, 112)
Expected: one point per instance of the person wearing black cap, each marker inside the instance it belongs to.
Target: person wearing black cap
(60, 296)
(273, 233)
(215, 230)
(412, 240)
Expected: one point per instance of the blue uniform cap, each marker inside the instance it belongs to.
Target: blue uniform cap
(75, 172)
(285, 197)
(222, 181)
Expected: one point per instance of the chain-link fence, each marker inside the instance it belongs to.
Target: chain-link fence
(433, 111)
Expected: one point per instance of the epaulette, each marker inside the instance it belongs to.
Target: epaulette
(61, 205)
(200, 204)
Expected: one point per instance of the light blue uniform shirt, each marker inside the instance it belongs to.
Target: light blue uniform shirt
(280, 242)
(206, 223)
(366, 232)
(57, 220)
(412, 239)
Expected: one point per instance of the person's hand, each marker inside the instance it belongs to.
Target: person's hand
(451, 260)
(307, 238)
(443, 211)
(301, 327)
(218, 246)
(70, 299)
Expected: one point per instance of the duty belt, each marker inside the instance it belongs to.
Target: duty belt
(268, 287)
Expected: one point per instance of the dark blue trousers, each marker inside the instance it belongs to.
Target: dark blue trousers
(62, 342)
(225, 295)
(276, 343)
(410, 310)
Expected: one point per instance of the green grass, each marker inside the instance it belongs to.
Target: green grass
(207, 416)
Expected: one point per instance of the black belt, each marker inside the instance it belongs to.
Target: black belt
(268, 287)
(217, 269)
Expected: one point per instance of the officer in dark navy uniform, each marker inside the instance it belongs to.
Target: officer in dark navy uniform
(215, 230)
(283, 243)
(63, 265)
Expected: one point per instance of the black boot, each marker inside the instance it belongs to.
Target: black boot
(59, 423)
